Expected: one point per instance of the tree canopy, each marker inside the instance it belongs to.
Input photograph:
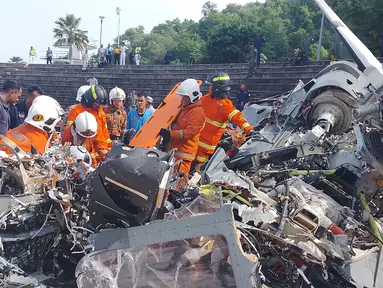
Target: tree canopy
(224, 36)
(15, 59)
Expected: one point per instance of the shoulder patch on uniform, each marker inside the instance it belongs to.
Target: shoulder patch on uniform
(38, 117)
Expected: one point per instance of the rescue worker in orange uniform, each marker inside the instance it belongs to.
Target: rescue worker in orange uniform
(91, 102)
(83, 132)
(218, 110)
(185, 131)
(34, 133)
(116, 114)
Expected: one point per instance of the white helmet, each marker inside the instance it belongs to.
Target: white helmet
(86, 125)
(81, 154)
(149, 99)
(191, 89)
(43, 115)
(81, 92)
(116, 94)
(51, 101)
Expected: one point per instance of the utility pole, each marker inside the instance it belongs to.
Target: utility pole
(118, 10)
(320, 37)
(102, 20)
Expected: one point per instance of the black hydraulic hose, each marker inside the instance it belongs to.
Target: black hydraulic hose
(284, 210)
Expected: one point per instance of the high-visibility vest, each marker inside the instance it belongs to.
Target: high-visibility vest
(32, 52)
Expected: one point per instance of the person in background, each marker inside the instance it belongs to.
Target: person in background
(108, 54)
(32, 55)
(131, 58)
(306, 43)
(137, 56)
(191, 59)
(167, 58)
(258, 42)
(83, 132)
(381, 45)
(49, 56)
(19, 112)
(252, 60)
(149, 104)
(9, 95)
(116, 114)
(37, 129)
(243, 96)
(289, 59)
(92, 80)
(185, 130)
(117, 55)
(85, 59)
(131, 101)
(123, 54)
(333, 59)
(101, 54)
(138, 117)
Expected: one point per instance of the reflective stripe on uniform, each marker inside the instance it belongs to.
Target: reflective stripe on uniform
(232, 114)
(201, 159)
(95, 154)
(206, 146)
(245, 125)
(69, 122)
(221, 78)
(185, 156)
(94, 92)
(181, 133)
(108, 140)
(215, 123)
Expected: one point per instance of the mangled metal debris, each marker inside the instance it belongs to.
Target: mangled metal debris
(297, 205)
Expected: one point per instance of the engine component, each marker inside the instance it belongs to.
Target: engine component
(330, 112)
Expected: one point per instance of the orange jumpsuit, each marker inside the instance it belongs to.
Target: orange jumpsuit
(217, 112)
(100, 116)
(95, 146)
(185, 133)
(67, 110)
(116, 121)
(26, 135)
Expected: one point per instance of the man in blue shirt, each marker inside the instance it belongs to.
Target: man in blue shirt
(19, 111)
(243, 96)
(138, 117)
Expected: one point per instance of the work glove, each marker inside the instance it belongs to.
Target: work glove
(165, 134)
(127, 136)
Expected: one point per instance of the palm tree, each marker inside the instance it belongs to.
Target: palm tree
(15, 59)
(67, 32)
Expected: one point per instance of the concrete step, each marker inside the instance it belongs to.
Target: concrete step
(117, 71)
(76, 82)
(62, 81)
(147, 78)
(157, 67)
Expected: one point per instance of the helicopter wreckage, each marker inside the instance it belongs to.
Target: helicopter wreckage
(297, 205)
